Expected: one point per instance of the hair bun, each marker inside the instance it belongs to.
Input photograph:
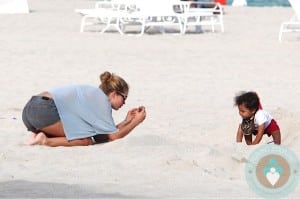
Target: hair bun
(105, 77)
(111, 82)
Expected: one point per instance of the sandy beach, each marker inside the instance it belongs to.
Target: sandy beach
(187, 83)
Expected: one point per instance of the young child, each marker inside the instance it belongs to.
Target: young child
(255, 120)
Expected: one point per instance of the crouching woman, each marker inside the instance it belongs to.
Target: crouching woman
(80, 115)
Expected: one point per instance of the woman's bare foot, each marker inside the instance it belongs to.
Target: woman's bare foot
(37, 139)
(31, 139)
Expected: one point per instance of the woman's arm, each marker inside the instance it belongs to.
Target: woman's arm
(133, 118)
(62, 141)
(130, 115)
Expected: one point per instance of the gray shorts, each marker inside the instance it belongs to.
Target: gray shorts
(39, 112)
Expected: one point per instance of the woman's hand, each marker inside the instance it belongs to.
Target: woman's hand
(134, 117)
(136, 112)
(131, 114)
(140, 114)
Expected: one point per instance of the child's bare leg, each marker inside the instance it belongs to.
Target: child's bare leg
(276, 137)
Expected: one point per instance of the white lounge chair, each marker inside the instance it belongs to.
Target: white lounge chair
(293, 25)
(13, 6)
(105, 13)
(203, 14)
(155, 13)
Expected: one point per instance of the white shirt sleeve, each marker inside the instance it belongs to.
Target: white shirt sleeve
(262, 117)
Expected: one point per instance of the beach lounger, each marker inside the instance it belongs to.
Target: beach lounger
(155, 13)
(293, 25)
(200, 14)
(120, 14)
(105, 13)
(13, 6)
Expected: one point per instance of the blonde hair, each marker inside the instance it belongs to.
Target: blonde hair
(111, 82)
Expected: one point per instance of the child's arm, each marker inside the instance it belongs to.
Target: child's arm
(260, 133)
(239, 135)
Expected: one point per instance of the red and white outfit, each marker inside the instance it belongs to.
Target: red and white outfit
(263, 117)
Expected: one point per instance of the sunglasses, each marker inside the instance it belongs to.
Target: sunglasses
(123, 96)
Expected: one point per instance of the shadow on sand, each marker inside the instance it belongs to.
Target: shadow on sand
(26, 189)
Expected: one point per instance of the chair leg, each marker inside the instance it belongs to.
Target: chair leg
(181, 28)
(283, 28)
(143, 27)
(212, 24)
(183, 25)
(221, 23)
(280, 33)
(83, 23)
(107, 25)
(180, 25)
(118, 26)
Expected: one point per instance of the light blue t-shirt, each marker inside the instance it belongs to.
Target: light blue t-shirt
(84, 111)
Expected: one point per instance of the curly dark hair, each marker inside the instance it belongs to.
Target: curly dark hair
(249, 99)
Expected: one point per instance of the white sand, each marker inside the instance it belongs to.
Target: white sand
(187, 83)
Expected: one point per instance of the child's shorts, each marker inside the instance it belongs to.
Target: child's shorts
(39, 112)
(273, 126)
